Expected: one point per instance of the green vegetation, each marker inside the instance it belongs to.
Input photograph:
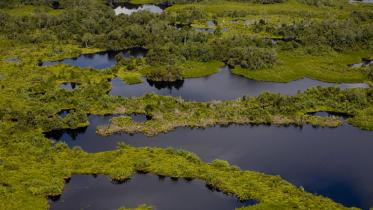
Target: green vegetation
(299, 26)
(165, 73)
(31, 99)
(304, 45)
(363, 119)
(294, 66)
(189, 69)
(141, 207)
(32, 168)
(198, 69)
(169, 113)
(27, 10)
(129, 77)
(309, 49)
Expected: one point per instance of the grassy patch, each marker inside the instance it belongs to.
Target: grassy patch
(130, 77)
(290, 7)
(30, 10)
(21, 11)
(363, 119)
(31, 54)
(198, 69)
(189, 69)
(297, 65)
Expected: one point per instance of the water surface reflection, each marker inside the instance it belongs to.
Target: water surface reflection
(220, 86)
(332, 162)
(98, 192)
(100, 60)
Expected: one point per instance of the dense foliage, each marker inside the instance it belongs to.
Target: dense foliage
(338, 35)
(168, 44)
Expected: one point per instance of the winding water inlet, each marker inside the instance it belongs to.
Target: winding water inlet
(223, 85)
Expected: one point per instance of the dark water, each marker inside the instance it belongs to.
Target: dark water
(90, 192)
(12, 60)
(128, 8)
(69, 86)
(331, 114)
(63, 113)
(362, 1)
(332, 162)
(363, 63)
(135, 117)
(279, 40)
(140, 117)
(220, 86)
(100, 60)
(55, 4)
(211, 23)
(207, 30)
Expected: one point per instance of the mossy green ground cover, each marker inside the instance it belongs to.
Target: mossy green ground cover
(189, 69)
(291, 8)
(29, 10)
(31, 54)
(332, 67)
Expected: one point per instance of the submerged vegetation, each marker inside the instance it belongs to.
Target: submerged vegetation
(273, 40)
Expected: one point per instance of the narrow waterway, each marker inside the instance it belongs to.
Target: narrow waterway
(223, 85)
(332, 162)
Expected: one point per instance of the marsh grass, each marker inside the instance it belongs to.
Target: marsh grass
(296, 65)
